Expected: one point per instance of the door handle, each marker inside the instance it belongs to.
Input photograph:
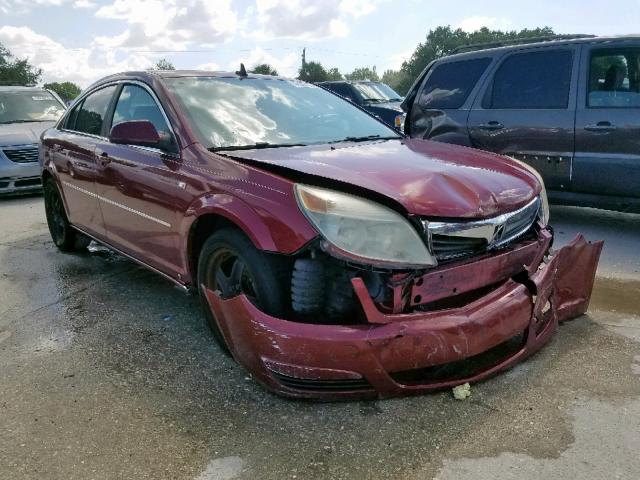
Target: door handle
(493, 125)
(104, 159)
(600, 127)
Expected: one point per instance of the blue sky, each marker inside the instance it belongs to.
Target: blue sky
(83, 40)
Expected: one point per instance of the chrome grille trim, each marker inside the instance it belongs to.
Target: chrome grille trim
(480, 235)
(22, 154)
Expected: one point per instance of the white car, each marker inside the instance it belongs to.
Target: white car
(25, 112)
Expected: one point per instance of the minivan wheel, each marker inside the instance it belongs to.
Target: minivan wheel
(231, 264)
(62, 233)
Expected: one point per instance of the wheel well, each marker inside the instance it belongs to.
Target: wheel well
(45, 176)
(202, 229)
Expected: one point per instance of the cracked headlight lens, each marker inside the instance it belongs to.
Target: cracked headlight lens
(363, 229)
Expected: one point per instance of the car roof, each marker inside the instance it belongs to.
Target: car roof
(614, 39)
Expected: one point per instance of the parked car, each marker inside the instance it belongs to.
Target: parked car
(569, 108)
(25, 112)
(377, 98)
(333, 257)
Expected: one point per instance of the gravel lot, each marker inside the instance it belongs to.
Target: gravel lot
(107, 371)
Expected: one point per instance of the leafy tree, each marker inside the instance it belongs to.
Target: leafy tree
(163, 64)
(393, 78)
(443, 40)
(363, 73)
(312, 72)
(17, 70)
(334, 74)
(264, 69)
(67, 90)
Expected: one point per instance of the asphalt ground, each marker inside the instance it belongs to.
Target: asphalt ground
(107, 371)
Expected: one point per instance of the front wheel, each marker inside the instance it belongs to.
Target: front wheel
(230, 264)
(62, 233)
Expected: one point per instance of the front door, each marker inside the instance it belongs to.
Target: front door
(527, 111)
(607, 158)
(75, 161)
(137, 186)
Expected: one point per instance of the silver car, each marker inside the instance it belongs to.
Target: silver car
(25, 112)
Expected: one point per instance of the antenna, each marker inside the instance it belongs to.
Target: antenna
(242, 72)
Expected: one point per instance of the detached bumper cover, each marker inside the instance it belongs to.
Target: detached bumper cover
(400, 354)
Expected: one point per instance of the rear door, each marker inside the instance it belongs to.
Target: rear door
(527, 110)
(607, 158)
(137, 186)
(441, 106)
(74, 158)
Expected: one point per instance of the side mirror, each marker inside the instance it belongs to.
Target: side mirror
(135, 132)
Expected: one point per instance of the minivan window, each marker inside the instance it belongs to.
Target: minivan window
(614, 78)
(449, 84)
(135, 103)
(91, 114)
(532, 80)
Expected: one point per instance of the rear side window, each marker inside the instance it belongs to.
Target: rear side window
(343, 90)
(614, 78)
(449, 85)
(92, 112)
(532, 80)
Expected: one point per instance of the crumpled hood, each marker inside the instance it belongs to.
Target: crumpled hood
(427, 178)
(22, 133)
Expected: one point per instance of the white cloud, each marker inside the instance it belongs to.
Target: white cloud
(308, 19)
(395, 61)
(169, 24)
(472, 24)
(79, 65)
(286, 65)
(25, 6)
(211, 66)
(84, 4)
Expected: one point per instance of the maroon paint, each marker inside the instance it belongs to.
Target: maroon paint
(425, 178)
(135, 132)
(393, 343)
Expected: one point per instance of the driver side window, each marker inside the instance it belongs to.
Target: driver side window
(135, 103)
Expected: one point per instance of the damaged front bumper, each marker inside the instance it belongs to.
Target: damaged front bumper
(529, 292)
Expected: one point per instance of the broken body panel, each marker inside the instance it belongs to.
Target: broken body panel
(419, 350)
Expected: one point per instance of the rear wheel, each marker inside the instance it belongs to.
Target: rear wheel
(232, 265)
(62, 233)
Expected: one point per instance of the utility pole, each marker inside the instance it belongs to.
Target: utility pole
(304, 60)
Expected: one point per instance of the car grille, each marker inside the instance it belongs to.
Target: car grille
(450, 240)
(322, 385)
(22, 155)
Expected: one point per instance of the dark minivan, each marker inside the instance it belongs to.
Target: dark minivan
(569, 108)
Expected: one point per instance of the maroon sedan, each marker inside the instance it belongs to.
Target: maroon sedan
(334, 258)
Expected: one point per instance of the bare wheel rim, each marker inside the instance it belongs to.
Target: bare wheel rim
(228, 273)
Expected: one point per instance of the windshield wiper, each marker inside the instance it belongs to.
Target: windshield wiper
(256, 146)
(364, 139)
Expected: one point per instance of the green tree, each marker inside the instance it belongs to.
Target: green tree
(363, 73)
(393, 78)
(312, 72)
(443, 40)
(17, 70)
(162, 64)
(264, 69)
(67, 90)
(334, 74)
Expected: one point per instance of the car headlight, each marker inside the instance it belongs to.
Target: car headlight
(544, 211)
(364, 230)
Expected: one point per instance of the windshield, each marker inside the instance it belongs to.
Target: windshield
(29, 106)
(377, 92)
(228, 112)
